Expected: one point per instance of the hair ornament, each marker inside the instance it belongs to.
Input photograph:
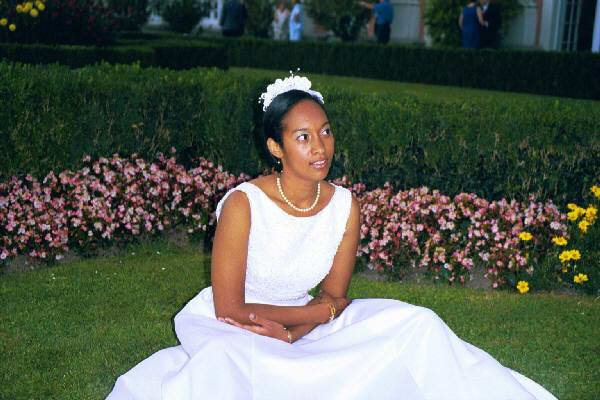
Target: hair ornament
(292, 82)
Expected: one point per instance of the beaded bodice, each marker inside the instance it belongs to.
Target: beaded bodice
(288, 255)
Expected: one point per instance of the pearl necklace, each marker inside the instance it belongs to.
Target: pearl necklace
(289, 203)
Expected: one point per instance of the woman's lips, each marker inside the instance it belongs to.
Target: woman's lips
(319, 164)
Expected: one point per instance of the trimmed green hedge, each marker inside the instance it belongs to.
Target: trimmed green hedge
(540, 72)
(174, 54)
(52, 116)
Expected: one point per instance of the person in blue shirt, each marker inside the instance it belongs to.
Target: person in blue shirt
(384, 15)
(295, 22)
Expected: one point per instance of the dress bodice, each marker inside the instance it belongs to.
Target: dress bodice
(288, 255)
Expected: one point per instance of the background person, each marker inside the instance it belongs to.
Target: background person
(280, 19)
(296, 22)
(384, 15)
(233, 18)
(490, 33)
(470, 20)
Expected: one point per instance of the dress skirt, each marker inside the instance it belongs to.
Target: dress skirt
(376, 349)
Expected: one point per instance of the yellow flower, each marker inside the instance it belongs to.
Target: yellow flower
(572, 215)
(580, 278)
(559, 240)
(564, 268)
(19, 8)
(40, 6)
(596, 191)
(34, 13)
(591, 213)
(572, 206)
(525, 236)
(583, 225)
(3, 21)
(565, 256)
(28, 6)
(575, 255)
(12, 27)
(523, 287)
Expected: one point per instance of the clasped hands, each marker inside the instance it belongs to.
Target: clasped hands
(273, 329)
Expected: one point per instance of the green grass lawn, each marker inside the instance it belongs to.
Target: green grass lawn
(67, 332)
(436, 93)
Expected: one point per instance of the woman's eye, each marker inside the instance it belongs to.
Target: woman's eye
(302, 137)
(326, 131)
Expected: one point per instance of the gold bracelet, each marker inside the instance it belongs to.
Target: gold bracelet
(289, 334)
(331, 311)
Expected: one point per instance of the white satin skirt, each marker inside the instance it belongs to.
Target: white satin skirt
(377, 349)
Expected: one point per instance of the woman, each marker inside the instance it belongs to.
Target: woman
(258, 334)
(280, 21)
(296, 22)
(470, 20)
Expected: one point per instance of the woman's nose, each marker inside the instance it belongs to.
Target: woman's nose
(318, 146)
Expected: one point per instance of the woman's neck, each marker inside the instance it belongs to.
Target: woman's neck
(299, 191)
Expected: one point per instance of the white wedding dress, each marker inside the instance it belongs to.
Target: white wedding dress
(376, 349)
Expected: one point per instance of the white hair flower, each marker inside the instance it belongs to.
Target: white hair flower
(292, 82)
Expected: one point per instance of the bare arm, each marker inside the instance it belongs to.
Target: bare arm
(228, 273)
(366, 5)
(482, 22)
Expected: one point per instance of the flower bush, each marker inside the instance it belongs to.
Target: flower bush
(575, 255)
(59, 21)
(107, 201)
(448, 237)
(115, 200)
(131, 14)
(18, 14)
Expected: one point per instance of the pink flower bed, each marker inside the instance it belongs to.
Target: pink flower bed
(114, 200)
(107, 201)
(449, 237)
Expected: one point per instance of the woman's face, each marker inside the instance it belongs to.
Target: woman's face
(308, 142)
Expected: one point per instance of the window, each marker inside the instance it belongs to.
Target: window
(572, 15)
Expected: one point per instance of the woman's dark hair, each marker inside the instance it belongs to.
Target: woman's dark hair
(277, 110)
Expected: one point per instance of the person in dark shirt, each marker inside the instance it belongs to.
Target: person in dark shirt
(490, 32)
(233, 18)
(384, 15)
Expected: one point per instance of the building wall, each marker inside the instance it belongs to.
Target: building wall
(523, 28)
(406, 26)
(540, 25)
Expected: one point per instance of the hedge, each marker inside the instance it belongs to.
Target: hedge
(174, 54)
(539, 72)
(52, 116)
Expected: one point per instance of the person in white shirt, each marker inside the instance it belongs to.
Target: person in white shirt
(280, 18)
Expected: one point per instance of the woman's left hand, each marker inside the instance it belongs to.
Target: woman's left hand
(261, 326)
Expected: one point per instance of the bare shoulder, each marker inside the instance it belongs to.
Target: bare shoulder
(354, 217)
(266, 183)
(236, 205)
(263, 181)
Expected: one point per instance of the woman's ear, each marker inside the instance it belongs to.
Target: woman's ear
(274, 148)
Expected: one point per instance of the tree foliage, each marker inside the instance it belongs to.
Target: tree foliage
(441, 17)
(345, 18)
(130, 14)
(183, 15)
(260, 17)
